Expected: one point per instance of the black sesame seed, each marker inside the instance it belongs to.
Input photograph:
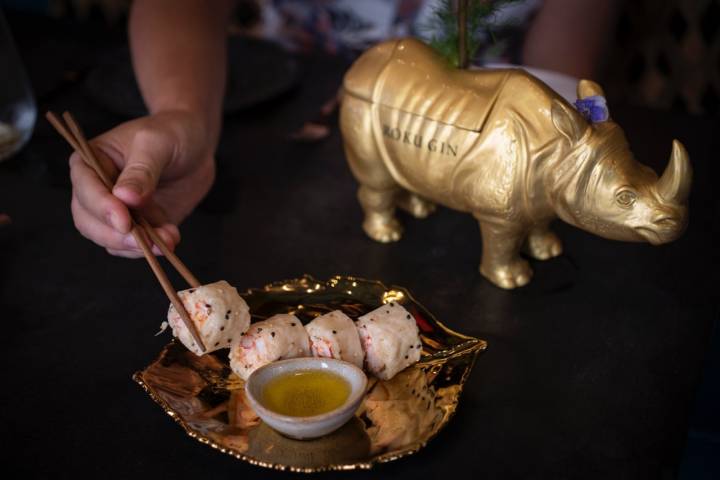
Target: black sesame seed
(272, 334)
(334, 332)
(413, 391)
(292, 324)
(192, 290)
(217, 343)
(227, 317)
(228, 312)
(207, 305)
(409, 316)
(392, 304)
(406, 357)
(222, 328)
(387, 311)
(229, 340)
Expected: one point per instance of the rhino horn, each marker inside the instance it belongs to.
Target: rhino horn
(674, 185)
(588, 88)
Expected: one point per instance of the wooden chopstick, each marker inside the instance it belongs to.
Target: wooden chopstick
(140, 226)
(169, 254)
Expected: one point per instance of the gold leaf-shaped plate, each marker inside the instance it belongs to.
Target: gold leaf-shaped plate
(397, 418)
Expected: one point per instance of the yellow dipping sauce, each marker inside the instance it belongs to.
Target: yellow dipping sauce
(305, 393)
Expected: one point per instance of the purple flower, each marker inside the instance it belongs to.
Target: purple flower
(594, 108)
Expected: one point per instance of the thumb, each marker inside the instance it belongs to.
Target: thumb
(145, 163)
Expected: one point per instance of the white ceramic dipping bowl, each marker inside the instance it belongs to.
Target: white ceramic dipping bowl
(306, 427)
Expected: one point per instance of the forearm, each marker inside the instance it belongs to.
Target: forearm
(179, 57)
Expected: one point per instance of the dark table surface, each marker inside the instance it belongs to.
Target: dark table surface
(591, 370)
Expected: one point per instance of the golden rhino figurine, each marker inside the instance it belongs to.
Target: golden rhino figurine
(503, 146)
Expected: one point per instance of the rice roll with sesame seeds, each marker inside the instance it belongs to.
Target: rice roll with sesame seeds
(390, 338)
(219, 313)
(334, 335)
(279, 337)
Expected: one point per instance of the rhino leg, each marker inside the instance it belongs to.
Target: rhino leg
(542, 243)
(501, 262)
(378, 190)
(379, 206)
(415, 205)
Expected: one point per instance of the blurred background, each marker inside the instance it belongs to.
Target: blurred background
(657, 54)
(661, 53)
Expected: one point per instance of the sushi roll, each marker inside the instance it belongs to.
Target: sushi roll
(334, 335)
(280, 336)
(390, 339)
(219, 313)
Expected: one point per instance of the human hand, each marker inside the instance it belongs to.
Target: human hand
(165, 166)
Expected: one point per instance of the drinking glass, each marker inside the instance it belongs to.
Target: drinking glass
(17, 104)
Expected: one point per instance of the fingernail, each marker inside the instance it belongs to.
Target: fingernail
(167, 239)
(172, 233)
(113, 220)
(136, 187)
(129, 242)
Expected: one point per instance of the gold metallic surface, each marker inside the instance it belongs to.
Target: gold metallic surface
(397, 418)
(502, 145)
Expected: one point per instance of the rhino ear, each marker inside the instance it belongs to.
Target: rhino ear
(588, 88)
(568, 121)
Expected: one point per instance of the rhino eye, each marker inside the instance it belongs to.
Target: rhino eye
(625, 198)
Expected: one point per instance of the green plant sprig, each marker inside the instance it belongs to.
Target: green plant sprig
(444, 22)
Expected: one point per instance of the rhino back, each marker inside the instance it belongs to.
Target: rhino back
(409, 76)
